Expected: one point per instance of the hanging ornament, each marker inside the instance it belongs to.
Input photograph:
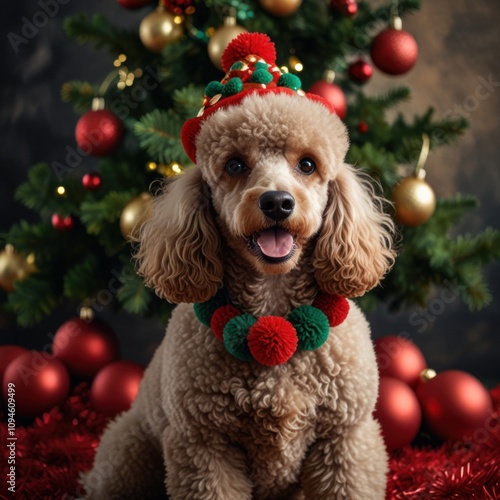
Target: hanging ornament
(134, 4)
(14, 267)
(91, 181)
(455, 404)
(179, 7)
(221, 38)
(414, 200)
(40, 383)
(360, 71)
(280, 8)
(399, 358)
(7, 354)
(134, 214)
(160, 28)
(62, 223)
(99, 131)
(115, 387)
(345, 7)
(394, 51)
(362, 127)
(85, 346)
(398, 412)
(331, 92)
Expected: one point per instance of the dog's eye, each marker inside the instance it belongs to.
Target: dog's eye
(234, 167)
(306, 166)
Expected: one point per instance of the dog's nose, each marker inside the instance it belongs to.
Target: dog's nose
(277, 205)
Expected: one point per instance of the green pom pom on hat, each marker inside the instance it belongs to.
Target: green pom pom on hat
(261, 76)
(214, 88)
(233, 86)
(290, 81)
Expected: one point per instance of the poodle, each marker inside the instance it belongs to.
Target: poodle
(272, 216)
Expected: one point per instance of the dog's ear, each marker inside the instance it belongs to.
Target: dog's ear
(355, 246)
(179, 246)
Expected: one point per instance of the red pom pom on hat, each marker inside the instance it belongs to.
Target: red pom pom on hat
(272, 340)
(335, 307)
(220, 318)
(246, 44)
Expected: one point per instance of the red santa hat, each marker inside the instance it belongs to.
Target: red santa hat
(250, 65)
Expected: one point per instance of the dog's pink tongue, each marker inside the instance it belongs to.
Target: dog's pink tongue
(275, 242)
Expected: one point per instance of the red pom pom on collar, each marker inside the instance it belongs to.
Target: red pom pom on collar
(245, 44)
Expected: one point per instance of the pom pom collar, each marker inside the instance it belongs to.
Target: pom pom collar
(272, 340)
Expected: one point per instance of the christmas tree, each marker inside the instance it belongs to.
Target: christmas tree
(132, 119)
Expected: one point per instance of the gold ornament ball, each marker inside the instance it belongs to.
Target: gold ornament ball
(134, 214)
(221, 38)
(414, 201)
(280, 8)
(13, 267)
(160, 28)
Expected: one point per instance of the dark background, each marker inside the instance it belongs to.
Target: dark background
(458, 42)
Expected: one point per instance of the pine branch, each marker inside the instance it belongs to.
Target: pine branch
(39, 192)
(80, 279)
(98, 214)
(482, 249)
(159, 133)
(98, 30)
(80, 94)
(392, 97)
(32, 299)
(133, 295)
(188, 101)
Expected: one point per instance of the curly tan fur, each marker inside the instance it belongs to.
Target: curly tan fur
(231, 430)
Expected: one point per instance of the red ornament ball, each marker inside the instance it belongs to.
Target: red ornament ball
(398, 412)
(91, 181)
(62, 223)
(455, 405)
(362, 127)
(333, 94)
(40, 383)
(272, 340)
(115, 387)
(85, 347)
(134, 4)
(9, 353)
(220, 318)
(345, 7)
(98, 133)
(360, 71)
(399, 358)
(394, 51)
(335, 307)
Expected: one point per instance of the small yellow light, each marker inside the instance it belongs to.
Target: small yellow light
(30, 259)
(295, 63)
(178, 19)
(122, 57)
(138, 72)
(116, 63)
(121, 85)
(152, 165)
(210, 32)
(176, 168)
(61, 190)
(129, 82)
(284, 69)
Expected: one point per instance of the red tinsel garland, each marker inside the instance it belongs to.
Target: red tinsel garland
(52, 451)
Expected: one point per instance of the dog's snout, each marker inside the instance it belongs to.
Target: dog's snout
(277, 205)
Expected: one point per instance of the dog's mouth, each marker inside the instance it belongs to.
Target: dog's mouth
(274, 245)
